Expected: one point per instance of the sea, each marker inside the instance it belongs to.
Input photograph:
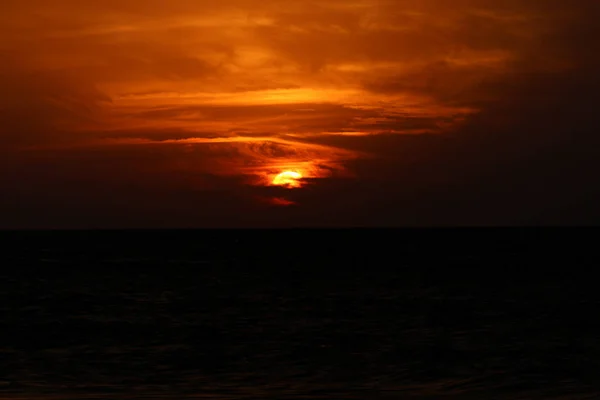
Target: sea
(300, 314)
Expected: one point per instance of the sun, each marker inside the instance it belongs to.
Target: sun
(290, 179)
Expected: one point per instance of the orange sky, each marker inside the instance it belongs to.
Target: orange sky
(208, 93)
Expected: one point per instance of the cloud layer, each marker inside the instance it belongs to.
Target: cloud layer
(422, 108)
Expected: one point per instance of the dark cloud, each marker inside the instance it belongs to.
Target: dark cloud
(37, 106)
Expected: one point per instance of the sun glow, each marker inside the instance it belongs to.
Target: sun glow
(289, 179)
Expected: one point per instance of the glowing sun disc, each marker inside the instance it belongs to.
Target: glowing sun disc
(288, 178)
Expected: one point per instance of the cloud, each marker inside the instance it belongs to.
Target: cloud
(239, 51)
(37, 106)
(398, 111)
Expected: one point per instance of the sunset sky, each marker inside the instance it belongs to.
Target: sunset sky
(272, 113)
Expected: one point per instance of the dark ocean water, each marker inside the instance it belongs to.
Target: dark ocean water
(484, 314)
